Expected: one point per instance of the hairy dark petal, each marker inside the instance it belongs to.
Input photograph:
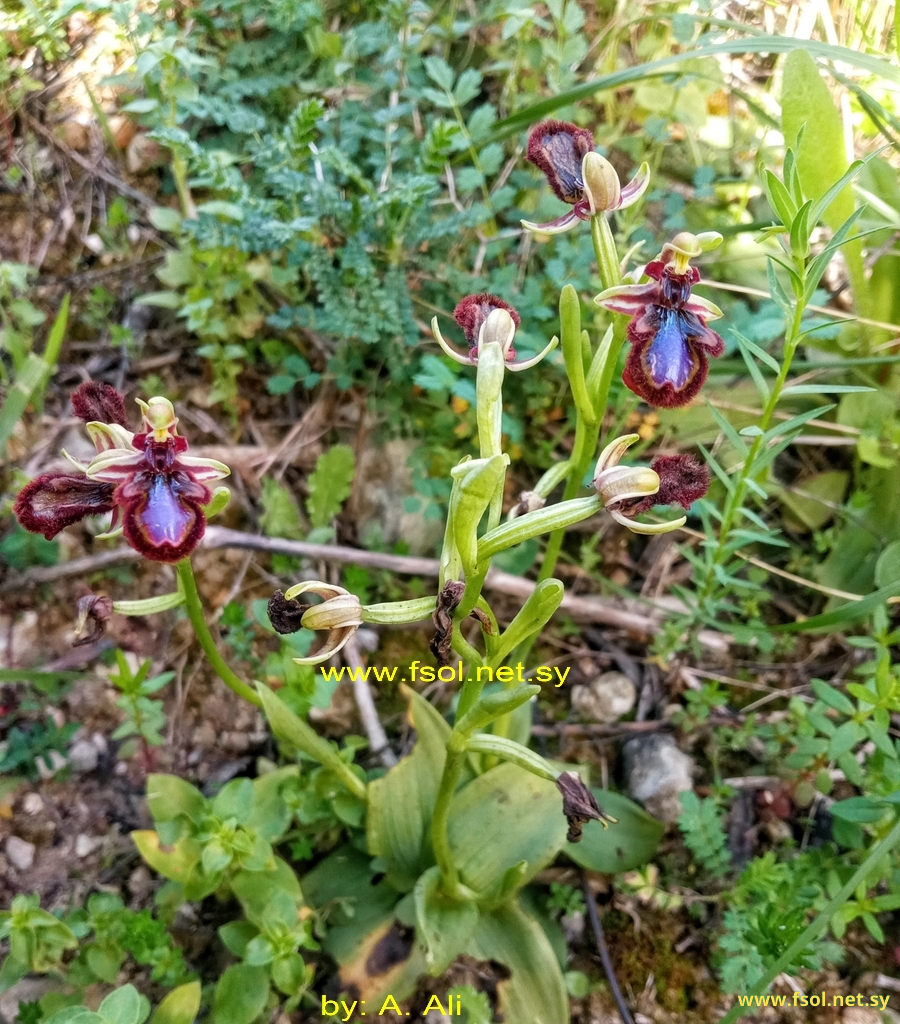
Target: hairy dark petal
(579, 804)
(473, 310)
(285, 615)
(53, 501)
(447, 601)
(96, 402)
(682, 480)
(557, 148)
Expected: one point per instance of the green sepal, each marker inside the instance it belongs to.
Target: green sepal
(533, 524)
(477, 487)
(532, 617)
(515, 753)
(573, 355)
(492, 706)
(150, 605)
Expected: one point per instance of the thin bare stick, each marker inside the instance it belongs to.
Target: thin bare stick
(589, 609)
(603, 949)
(378, 741)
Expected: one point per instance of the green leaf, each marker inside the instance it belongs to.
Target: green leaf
(492, 805)
(271, 816)
(444, 925)
(823, 389)
(123, 1006)
(178, 863)
(621, 847)
(535, 992)
(814, 500)
(240, 995)
(234, 800)
(849, 612)
(859, 809)
(806, 105)
(516, 753)
(887, 568)
(439, 71)
(401, 803)
(168, 796)
(329, 484)
(180, 1006)
(236, 934)
(345, 881)
(832, 697)
(280, 511)
(163, 218)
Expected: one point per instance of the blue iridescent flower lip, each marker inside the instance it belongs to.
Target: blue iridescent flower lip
(670, 342)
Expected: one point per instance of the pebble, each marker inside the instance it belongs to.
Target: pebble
(83, 756)
(658, 772)
(85, 844)
(19, 853)
(32, 804)
(606, 698)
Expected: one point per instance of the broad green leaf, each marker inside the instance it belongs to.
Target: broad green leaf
(180, 1006)
(123, 1006)
(235, 936)
(168, 796)
(832, 697)
(271, 816)
(444, 925)
(255, 889)
(806, 105)
(177, 863)
(234, 800)
(621, 847)
(329, 484)
(814, 501)
(887, 568)
(535, 992)
(344, 881)
(402, 801)
(859, 809)
(240, 995)
(491, 808)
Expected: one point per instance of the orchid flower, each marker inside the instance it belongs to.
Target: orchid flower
(158, 495)
(670, 342)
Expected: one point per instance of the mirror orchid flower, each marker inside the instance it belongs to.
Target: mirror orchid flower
(670, 342)
(487, 320)
(579, 176)
(158, 495)
(629, 491)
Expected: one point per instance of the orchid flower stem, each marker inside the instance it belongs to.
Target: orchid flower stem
(195, 613)
(440, 840)
(819, 923)
(737, 493)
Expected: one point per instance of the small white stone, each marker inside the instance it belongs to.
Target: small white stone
(83, 756)
(99, 741)
(658, 772)
(85, 844)
(607, 698)
(20, 853)
(32, 804)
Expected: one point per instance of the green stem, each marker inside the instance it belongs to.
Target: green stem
(440, 840)
(207, 642)
(735, 499)
(818, 925)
